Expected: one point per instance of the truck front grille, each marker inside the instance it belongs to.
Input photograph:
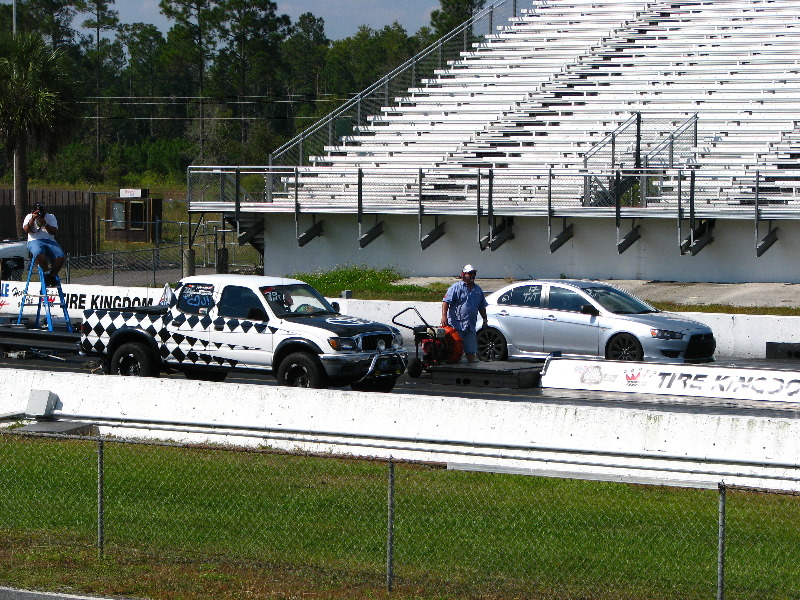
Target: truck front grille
(370, 341)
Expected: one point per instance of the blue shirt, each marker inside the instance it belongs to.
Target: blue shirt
(465, 303)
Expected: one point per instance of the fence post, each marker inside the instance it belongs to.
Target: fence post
(390, 530)
(69, 268)
(113, 270)
(100, 498)
(721, 545)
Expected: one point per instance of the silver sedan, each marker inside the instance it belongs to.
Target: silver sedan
(531, 319)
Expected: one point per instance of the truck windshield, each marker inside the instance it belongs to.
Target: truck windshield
(295, 299)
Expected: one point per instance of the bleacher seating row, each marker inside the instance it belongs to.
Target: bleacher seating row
(548, 85)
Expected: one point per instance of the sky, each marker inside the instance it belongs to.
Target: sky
(342, 17)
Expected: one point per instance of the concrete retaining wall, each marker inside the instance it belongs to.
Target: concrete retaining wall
(666, 445)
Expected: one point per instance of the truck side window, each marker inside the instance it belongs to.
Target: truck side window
(196, 298)
(240, 303)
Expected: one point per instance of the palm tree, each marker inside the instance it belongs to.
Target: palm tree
(38, 107)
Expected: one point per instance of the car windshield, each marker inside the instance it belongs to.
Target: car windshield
(295, 300)
(618, 302)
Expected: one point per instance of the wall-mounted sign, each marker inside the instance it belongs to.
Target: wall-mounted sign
(133, 193)
(671, 379)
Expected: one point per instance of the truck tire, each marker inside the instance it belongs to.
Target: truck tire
(134, 359)
(301, 369)
(384, 384)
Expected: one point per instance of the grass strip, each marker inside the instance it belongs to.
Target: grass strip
(206, 522)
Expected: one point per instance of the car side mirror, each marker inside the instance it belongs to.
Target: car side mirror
(335, 306)
(588, 309)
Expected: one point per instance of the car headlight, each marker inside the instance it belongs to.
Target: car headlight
(397, 341)
(342, 344)
(665, 334)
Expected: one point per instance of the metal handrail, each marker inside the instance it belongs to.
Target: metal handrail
(383, 81)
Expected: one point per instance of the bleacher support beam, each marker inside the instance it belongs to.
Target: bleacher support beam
(700, 237)
(309, 234)
(629, 240)
(766, 243)
(566, 234)
(498, 235)
(370, 236)
(433, 235)
(247, 234)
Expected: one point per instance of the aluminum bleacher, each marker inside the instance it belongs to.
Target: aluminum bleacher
(548, 85)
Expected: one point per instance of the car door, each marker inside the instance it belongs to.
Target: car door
(240, 332)
(519, 314)
(565, 328)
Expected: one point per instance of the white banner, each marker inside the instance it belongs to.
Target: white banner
(677, 380)
(78, 298)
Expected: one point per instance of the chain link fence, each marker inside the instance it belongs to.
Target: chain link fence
(215, 246)
(418, 530)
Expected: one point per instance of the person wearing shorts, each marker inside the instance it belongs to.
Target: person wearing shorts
(41, 227)
(460, 307)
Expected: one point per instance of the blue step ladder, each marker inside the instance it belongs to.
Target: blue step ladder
(43, 299)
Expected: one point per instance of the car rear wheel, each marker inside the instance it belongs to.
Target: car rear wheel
(133, 359)
(624, 346)
(301, 369)
(492, 344)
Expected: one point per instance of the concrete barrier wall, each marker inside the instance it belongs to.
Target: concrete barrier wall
(666, 444)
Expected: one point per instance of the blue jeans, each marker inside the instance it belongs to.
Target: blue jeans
(49, 248)
(469, 341)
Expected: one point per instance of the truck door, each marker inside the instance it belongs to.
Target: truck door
(239, 330)
(188, 325)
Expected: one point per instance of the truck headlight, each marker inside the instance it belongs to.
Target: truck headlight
(397, 341)
(342, 344)
(665, 334)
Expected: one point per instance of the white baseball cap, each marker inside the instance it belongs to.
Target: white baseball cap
(468, 269)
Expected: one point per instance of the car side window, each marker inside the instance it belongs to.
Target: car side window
(240, 303)
(196, 298)
(564, 299)
(523, 295)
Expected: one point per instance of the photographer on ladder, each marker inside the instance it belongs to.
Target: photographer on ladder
(41, 227)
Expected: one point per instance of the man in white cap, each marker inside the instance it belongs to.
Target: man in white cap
(460, 307)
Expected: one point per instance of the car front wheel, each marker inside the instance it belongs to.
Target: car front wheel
(492, 344)
(301, 369)
(624, 346)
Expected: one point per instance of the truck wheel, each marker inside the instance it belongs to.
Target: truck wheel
(301, 369)
(384, 384)
(133, 359)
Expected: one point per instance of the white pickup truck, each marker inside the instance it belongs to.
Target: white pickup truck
(213, 324)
